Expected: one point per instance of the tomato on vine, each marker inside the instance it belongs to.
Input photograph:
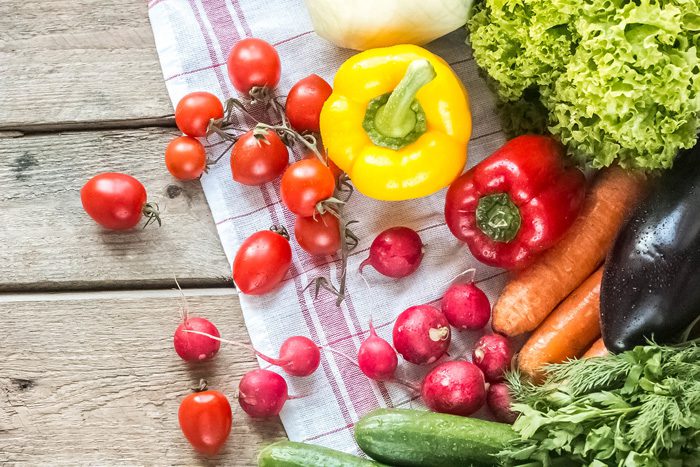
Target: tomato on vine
(258, 160)
(195, 110)
(305, 184)
(305, 101)
(117, 201)
(253, 63)
(205, 420)
(262, 261)
(185, 158)
(319, 234)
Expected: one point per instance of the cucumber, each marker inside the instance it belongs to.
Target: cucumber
(291, 454)
(418, 438)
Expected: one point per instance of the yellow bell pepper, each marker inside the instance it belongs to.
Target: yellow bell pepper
(397, 123)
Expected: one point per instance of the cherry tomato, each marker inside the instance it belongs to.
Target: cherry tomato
(194, 111)
(185, 158)
(331, 165)
(253, 62)
(261, 262)
(254, 161)
(305, 101)
(319, 235)
(205, 420)
(116, 201)
(304, 184)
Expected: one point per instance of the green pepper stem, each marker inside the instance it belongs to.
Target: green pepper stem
(396, 119)
(498, 217)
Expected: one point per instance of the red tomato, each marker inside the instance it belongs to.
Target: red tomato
(253, 62)
(331, 165)
(305, 184)
(261, 262)
(254, 162)
(194, 111)
(319, 236)
(185, 158)
(305, 101)
(205, 420)
(115, 201)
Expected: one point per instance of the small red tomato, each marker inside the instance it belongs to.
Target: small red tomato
(195, 110)
(116, 201)
(335, 170)
(185, 158)
(261, 262)
(255, 161)
(252, 63)
(318, 235)
(205, 420)
(305, 101)
(304, 184)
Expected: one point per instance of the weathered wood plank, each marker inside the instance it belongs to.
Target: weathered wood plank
(49, 243)
(93, 379)
(64, 64)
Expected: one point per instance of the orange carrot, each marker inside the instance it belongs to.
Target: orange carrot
(567, 332)
(596, 350)
(534, 292)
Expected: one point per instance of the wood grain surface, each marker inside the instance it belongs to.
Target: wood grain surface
(49, 243)
(92, 378)
(87, 63)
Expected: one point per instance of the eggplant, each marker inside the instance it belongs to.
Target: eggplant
(651, 282)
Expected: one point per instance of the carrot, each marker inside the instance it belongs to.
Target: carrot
(596, 350)
(534, 292)
(568, 330)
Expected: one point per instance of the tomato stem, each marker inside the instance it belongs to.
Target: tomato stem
(150, 210)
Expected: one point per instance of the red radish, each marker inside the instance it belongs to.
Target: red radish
(466, 306)
(299, 356)
(396, 252)
(492, 354)
(191, 346)
(421, 334)
(455, 387)
(498, 400)
(262, 393)
(376, 358)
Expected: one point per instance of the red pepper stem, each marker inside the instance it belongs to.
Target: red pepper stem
(498, 217)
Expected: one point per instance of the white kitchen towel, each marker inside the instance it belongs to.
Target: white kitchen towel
(193, 39)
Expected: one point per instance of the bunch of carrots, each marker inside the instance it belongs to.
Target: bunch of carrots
(557, 297)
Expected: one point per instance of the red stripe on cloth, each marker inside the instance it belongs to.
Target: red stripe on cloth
(189, 72)
(284, 41)
(210, 46)
(330, 432)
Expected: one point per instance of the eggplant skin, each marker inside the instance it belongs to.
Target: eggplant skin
(651, 282)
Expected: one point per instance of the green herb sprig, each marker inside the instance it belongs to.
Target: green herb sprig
(637, 408)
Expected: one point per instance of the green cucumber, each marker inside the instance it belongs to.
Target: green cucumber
(291, 454)
(418, 438)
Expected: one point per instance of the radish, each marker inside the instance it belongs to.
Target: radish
(498, 400)
(192, 347)
(396, 252)
(466, 306)
(299, 356)
(455, 387)
(376, 358)
(492, 354)
(421, 334)
(262, 393)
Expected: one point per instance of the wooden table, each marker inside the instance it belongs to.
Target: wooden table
(88, 372)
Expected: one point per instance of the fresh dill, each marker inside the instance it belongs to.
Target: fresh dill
(638, 408)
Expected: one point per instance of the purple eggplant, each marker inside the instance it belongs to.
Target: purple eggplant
(651, 283)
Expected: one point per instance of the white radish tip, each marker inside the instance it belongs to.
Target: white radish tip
(439, 334)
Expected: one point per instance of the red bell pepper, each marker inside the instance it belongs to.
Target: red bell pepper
(515, 203)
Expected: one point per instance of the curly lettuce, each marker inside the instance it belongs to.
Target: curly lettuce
(618, 81)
